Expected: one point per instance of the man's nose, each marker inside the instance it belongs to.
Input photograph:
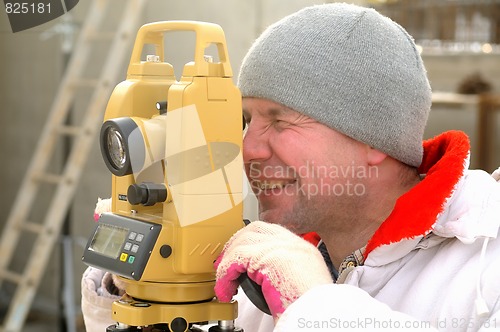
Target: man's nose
(255, 145)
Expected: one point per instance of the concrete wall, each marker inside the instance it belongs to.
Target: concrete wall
(31, 69)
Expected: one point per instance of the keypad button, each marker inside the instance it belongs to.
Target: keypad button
(127, 246)
(131, 259)
(132, 236)
(123, 257)
(135, 248)
(139, 237)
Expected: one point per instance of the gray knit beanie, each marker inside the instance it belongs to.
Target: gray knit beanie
(348, 67)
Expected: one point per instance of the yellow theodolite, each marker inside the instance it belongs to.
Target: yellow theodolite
(174, 148)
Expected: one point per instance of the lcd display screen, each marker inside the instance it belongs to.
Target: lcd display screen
(108, 240)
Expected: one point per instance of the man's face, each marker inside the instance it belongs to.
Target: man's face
(303, 173)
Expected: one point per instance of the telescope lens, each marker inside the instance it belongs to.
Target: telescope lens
(114, 140)
(116, 148)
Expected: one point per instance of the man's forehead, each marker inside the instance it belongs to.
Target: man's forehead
(266, 108)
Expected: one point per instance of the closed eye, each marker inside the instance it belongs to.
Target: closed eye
(281, 124)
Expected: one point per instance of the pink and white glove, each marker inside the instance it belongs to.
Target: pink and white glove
(102, 205)
(282, 263)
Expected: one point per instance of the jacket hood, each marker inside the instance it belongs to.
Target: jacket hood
(474, 211)
(432, 208)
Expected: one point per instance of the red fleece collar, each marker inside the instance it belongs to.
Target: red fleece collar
(311, 237)
(416, 211)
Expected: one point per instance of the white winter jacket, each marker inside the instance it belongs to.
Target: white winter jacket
(433, 264)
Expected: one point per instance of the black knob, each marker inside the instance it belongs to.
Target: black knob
(147, 193)
(179, 324)
(165, 251)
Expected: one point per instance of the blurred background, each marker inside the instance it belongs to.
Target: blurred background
(459, 41)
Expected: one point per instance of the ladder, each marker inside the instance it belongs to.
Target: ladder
(45, 228)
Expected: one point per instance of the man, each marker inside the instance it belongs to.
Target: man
(336, 99)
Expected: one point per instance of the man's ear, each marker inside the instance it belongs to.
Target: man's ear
(375, 157)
